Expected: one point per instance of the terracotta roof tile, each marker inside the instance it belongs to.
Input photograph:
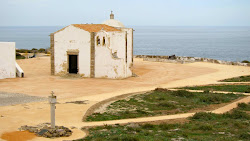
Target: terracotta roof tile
(95, 27)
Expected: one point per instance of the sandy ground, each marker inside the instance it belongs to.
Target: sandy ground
(13, 98)
(39, 82)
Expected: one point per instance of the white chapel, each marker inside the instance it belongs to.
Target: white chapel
(93, 50)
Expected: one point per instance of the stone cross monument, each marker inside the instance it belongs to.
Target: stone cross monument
(52, 101)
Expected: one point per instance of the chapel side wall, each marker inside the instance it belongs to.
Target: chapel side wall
(7, 60)
(118, 44)
(72, 39)
(106, 65)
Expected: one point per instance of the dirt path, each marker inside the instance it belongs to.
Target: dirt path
(39, 82)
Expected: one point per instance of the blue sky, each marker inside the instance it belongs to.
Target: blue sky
(130, 12)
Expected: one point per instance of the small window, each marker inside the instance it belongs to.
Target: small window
(98, 41)
(103, 43)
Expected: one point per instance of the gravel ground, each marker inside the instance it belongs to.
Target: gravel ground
(14, 98)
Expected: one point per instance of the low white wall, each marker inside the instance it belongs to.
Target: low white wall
(7, 60)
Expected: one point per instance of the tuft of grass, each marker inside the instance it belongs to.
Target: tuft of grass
(237, 114)
(213, 98)
(238, 79)
(244, 136)
(204, 116)
(183, 93)
(243, 105)
(227, 88)
(166, 104)
(205, 127)
(147, 126)
(19, 56)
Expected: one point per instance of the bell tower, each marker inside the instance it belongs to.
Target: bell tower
(112, 16)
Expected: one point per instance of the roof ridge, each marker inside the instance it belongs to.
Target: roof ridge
(96, 27)
(92, 27)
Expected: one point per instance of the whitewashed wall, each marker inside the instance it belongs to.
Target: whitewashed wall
(106, 65)
(7, 60)
(72, 39)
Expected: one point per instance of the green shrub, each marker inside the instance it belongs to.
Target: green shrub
(160, 98)
(207, 91)
(183, 93)
(248, 90)
(141, 111)
(23, 51)
(204, 116)
(107, 126)
(237, 114)
(165, 126)
(245, 61)
(244, 136)
(212, 98)
(166, 104)
(205, 127)
(124, 138)
(240, 124)
(242, 105)
(147, 126)
(41, 50)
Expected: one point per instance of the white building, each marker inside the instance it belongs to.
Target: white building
(7, 60)
(93, 50)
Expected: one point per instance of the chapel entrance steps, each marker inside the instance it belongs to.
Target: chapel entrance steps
(19, 71)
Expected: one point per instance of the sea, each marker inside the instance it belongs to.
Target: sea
(221, 43)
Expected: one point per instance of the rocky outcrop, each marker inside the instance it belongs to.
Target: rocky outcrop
(44, 130)
(183, 60)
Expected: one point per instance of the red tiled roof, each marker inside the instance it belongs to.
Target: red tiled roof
(92, 27)
(95, 27)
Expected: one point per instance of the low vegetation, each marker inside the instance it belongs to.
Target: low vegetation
(33, 50)
(245, 61)
(19, 56)
(230, 126)
(227, 88)
(160, 102)
(238, 79)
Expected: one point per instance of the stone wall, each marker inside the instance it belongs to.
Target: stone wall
(183, 60)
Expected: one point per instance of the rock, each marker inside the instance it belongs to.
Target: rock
(221, 133)
(43, 130)
(172, 57)
(192, 59)
(134, 75)
(174, 130)
(33, 130)
(133, 125)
